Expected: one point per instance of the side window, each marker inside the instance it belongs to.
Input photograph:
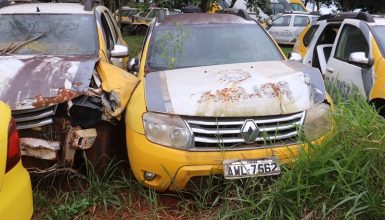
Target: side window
(282, 21)
(351, 40)
(113, 26)
(301, 21)
(107, 32)
(309, 35)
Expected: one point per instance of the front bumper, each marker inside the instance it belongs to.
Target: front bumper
(174, 168)
(16, 194)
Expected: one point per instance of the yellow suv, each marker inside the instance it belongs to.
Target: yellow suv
(15, 185)
(60, 76)
(216, 96)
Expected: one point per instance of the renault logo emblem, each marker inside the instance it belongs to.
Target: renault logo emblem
(249, 131)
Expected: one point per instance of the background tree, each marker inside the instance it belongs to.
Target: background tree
(373, 6)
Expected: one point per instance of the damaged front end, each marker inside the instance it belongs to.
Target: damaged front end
(58, 102)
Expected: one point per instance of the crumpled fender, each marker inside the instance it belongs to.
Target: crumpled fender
(118, 86)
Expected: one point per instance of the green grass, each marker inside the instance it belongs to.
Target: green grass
(343, 178)
(134, 44)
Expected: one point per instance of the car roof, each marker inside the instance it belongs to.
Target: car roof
(203, 18)
(380, 21)
(45, 8)
(346, 15)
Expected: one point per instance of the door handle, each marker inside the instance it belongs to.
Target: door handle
(330, 70)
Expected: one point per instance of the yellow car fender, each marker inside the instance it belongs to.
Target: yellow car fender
(299, 47)
(119, 85)
(379, 69)
(5, 114)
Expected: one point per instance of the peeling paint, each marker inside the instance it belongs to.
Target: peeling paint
(232, 90)
(34, 81)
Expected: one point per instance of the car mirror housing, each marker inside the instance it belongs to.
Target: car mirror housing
(360, 59)
(295, 57)
(133, 64)
(119, 51)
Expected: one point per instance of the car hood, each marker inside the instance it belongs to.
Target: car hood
(38, 81)
(235, 90)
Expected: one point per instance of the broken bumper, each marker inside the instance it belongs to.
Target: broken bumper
(174, 168)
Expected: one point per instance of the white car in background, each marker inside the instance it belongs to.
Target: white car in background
(286, 28)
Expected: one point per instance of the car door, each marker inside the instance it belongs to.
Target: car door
(347, 75)
(280, 29)
(299, 23)
(111, 36)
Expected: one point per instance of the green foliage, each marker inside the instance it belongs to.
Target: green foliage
(171, 45)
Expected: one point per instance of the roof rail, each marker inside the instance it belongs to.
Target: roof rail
(239, 12)
(191, 9)
(364, 16)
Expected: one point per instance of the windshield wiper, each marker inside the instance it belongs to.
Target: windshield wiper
(13, 47)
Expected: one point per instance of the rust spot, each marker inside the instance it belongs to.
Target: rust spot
(276, 90)
(77, 84)
(62, 96)
(270, 90)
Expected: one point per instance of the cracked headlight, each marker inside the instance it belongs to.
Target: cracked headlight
(318, 121)
(167, 130)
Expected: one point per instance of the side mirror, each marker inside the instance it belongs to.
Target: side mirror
(119, 51)
(133, 64)
(295, 57)
(360, 58)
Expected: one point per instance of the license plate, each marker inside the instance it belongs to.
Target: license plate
(235, 169)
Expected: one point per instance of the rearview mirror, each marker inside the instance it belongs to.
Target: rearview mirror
(133, 64)
(295, 57)
(119, 51)
(360, 59)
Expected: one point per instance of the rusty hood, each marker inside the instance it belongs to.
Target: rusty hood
(37, 81)
(235, 90)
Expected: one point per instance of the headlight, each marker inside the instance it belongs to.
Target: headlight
(167, 130)
(318, 121)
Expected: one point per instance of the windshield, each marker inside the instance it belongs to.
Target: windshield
(297, 7)
(178, 46)
(48, 34)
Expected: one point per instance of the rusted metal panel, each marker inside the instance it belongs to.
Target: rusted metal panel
(38, 81)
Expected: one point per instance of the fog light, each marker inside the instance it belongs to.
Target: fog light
(149, 176)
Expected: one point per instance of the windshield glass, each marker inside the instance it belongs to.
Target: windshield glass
(178, 46)
(48, 34)
(297, 7)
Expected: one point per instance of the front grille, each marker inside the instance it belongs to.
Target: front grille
(36, 117)
(214, 133)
